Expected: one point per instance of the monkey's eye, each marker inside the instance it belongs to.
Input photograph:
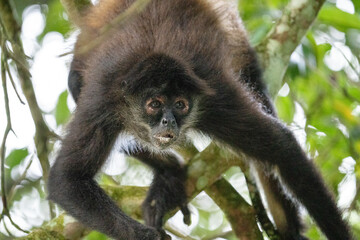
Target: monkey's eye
(155, 104)
(180, 105)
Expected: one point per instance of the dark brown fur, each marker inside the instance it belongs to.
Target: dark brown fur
(203, 40)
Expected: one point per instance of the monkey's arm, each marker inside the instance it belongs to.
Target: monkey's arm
(233, 119)
(71, 185)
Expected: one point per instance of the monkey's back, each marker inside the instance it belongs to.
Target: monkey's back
(206, 34)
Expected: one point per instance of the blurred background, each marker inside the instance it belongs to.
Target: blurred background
(319, 101)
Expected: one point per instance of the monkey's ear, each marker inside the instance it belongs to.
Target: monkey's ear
(75, 80)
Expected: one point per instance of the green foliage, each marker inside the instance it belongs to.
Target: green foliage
(62, 112)
(56, 19)
(286, 108)
(343, 21)
(15, 157)
(356, 5)
(258, 18)
(330, 99)
(212, 221)
(19, 6)
(94, 235)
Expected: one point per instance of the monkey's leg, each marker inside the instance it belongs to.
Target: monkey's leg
(232, 118)
(283, 209)
(167, 191)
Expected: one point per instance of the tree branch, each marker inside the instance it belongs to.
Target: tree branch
(275, 50)
(240, 214)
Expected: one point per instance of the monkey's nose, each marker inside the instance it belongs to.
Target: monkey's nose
(166, 121)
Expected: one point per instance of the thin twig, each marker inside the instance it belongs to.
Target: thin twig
(13, 189)
(65, 54)
(15, 225)
(7, 230)
(20, 64)
(7, 67)
(7, 130)
(6, 211)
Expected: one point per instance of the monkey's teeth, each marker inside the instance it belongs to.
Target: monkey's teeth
(164, 139)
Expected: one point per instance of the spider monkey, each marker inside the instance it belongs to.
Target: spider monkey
(177, 66)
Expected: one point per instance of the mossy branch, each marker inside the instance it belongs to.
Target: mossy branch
(240, 214)
(275, 50)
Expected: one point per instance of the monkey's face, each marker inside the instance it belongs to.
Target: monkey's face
(165, 116)
(166, 91)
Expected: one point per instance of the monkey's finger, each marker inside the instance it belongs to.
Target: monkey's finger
(186, 212)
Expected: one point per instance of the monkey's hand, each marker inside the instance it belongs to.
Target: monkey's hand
(167, 192)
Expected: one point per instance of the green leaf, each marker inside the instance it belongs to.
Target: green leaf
(339, 19)
(19, 6)
(62, 112)
(321, 50)
(286, 108)
(96, 236)
(260, 32)
(353, 91)
(16, 156)
(55, 21)
(356, 5)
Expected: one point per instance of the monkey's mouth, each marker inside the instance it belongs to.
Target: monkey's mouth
(165, 138)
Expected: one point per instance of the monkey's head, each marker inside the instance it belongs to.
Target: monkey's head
(164, 93)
